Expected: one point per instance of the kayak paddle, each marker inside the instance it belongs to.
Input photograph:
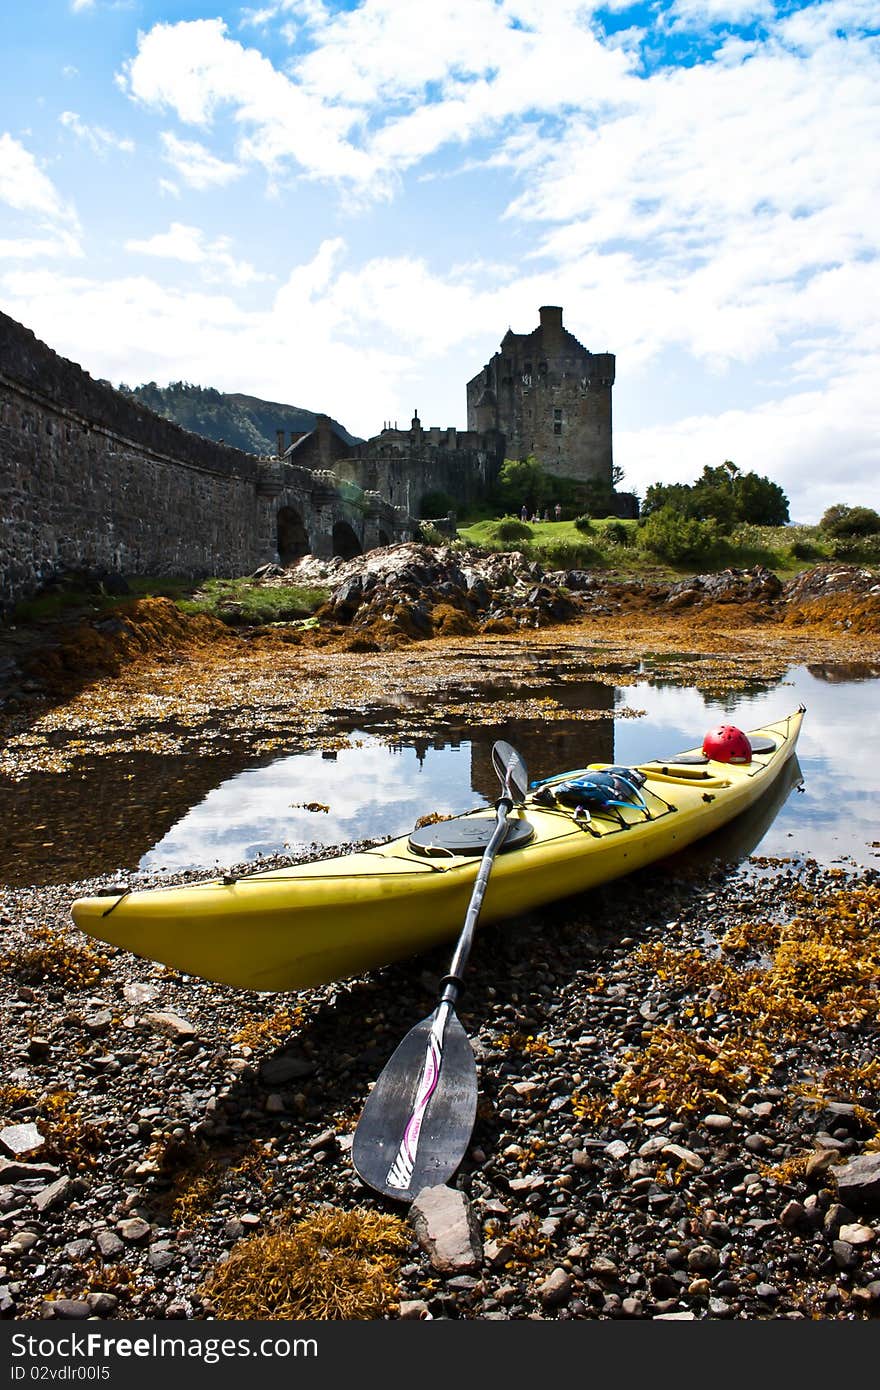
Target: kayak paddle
(417, 1121)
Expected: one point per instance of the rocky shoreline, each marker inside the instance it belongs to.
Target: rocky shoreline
(412, 591)
(679, 1094)
(678, 1114)
(403, 595)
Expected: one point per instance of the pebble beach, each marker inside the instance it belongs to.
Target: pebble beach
(650, 1141)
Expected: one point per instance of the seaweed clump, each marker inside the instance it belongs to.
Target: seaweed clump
(330, 1265)
(68, 1138)
(822, 966)
(55, 960)
(272, 1030)
(689, 1074)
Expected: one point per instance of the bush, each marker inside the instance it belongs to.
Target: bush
(805, 550)
(678, 539)
(723, 494)
(510, 528)
(615, 533)
(559, 555)
(584, 524)
(857, 550)
(850, 521)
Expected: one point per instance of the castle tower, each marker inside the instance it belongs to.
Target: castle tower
(550, 397)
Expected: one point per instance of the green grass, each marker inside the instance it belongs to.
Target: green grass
(60, 602)
(237, 601)
(543, 532)
(560, 545)
(244, 601)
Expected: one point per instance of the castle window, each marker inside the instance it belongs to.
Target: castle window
(557, 422)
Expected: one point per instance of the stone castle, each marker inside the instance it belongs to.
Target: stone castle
(550, 398)
(91, 479)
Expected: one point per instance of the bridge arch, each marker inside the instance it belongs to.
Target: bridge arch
(293, 539)
(345, 541)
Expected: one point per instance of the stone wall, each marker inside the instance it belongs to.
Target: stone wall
(89, 479)
(405, 465)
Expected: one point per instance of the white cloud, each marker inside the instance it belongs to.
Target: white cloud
(194, 69)
(99, 139)
(61, 245)
(811, 28)
(190, 245)
(356, 108)
(27, 191)
(24, 186)
(819, 445)
(707, 14)
(752, 227)
(196, 165)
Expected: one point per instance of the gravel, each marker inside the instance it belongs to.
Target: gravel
(172, 1119)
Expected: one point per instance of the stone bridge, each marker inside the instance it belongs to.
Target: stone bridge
(90, 479)
(321, 514)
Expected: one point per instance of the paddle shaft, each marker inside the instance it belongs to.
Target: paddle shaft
(452, 981)
(400, 1172)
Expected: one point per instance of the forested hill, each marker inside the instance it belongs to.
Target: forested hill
(245, 422)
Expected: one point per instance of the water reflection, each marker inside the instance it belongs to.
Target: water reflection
(842, 672)
(838, 750)
(152, 811)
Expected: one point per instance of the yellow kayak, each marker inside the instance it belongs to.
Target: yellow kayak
(291, 928)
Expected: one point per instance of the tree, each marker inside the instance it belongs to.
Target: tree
(522, 483)
(760, 501)
(724, 495)
(842, 520)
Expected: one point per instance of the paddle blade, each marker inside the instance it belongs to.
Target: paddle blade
(511, 770)
(446, 1126)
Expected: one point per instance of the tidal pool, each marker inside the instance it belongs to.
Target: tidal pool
(378, 789)
(173, 812)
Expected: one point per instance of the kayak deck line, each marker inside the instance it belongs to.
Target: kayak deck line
(329, 919)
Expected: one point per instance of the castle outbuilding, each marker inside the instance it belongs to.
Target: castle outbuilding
(550, 397)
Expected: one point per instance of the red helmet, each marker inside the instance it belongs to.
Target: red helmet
(727, 744)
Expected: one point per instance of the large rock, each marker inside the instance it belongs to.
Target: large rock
(170, 1026)
(858, 1181)
(21, 1139)
(13, 1172)
(446, 1230)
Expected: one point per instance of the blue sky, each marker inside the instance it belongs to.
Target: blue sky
(345, 206)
